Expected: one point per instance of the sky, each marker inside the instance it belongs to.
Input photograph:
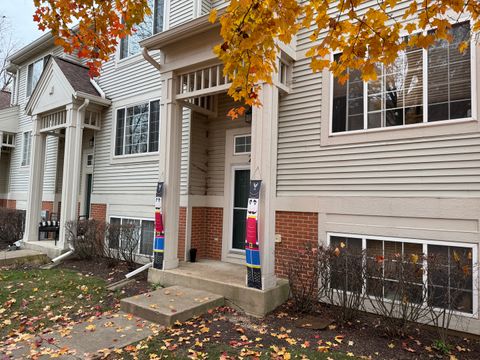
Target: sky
(19, 13)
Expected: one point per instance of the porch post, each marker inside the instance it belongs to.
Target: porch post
(35, 183)
(170, 152)
(263, 167)
(71, 171)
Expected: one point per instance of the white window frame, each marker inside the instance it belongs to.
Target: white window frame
(425, 122)
(147, 153)
(474, 248)
(122, 218)
(29, 92)
(235, 144)
(154, 13)
(26, 153)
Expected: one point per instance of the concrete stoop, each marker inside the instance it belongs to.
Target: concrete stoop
(45, 246)
(21, 257)
(168, 305)
(197, 276)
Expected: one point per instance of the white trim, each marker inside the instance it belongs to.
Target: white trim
(425, 122)
(115, 123)
(425, 243)
(141, 222)
(234, 168)
(235, 137)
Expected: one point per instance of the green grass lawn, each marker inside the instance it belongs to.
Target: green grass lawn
(31, 300)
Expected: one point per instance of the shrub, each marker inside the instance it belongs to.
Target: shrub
(450, 283)
(397, 291)
(122, 243)
(303, 280)
(341, 279)
(87, 237)
(12, 226)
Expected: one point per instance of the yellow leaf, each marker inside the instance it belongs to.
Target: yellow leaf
(213, 16)
(90, 327)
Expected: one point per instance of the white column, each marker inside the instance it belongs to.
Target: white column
(170, 152)
(263, 167)
(71, 170)
(35, 184)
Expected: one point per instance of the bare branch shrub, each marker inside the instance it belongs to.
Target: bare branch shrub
(86, 237)
(303, 279)
(397, 291)
(122, 241)
(12, 226)
(341, 272)
(450, 287)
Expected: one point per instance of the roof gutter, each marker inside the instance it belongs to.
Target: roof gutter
(151, 60)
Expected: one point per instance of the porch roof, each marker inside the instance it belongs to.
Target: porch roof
(62, 81)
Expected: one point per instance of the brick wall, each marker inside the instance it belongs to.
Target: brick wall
(214, 230)
(3, 203)
(207, 225)
(182, 231)
(11, 204)
(98, 212)
(299, 231)
(47, 205)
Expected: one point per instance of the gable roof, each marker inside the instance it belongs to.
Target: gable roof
(72, 82)
(5, 99)
(77, 75)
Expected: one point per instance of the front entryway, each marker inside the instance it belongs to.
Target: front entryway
(88, 195)
(241, 180)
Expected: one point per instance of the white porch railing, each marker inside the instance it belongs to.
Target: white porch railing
(201, 82)
(53, 121)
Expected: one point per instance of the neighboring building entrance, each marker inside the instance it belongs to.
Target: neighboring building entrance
(88, 195)
(240, 199)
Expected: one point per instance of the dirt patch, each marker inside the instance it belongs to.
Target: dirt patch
(101, 268)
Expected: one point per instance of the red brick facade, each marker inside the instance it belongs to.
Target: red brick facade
(207, 228)
(47, 205)
(182, 231)
(98, 212)
(299, 231)
(3, 203)
(11, 204)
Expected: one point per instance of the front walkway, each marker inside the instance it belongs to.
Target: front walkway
(85, 340)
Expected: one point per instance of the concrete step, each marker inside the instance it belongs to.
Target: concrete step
(21, 257)
(168, 305)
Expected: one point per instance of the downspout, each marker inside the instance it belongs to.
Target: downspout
(151, 60)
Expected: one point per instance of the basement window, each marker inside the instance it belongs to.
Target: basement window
(140, 231)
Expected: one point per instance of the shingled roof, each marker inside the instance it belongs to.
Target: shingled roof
(77, 75)
(4, 99)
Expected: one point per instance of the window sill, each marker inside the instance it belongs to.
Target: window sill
(422, 130)
(135, 158)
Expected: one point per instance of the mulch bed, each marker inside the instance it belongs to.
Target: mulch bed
(110, 273)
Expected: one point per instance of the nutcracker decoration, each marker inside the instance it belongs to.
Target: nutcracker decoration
(159, 242)
(252, 251)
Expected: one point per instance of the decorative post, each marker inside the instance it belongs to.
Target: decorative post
(159, 241)
(35, 185)
(252, 250)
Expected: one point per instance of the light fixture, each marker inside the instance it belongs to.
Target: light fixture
(248, 115)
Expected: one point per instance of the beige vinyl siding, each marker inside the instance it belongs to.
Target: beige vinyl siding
(198, 155)
(216, 144)
(219, 4)
(181, 11)
(428, 166)
(135, 79)
(185, 154)
(19, 176)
